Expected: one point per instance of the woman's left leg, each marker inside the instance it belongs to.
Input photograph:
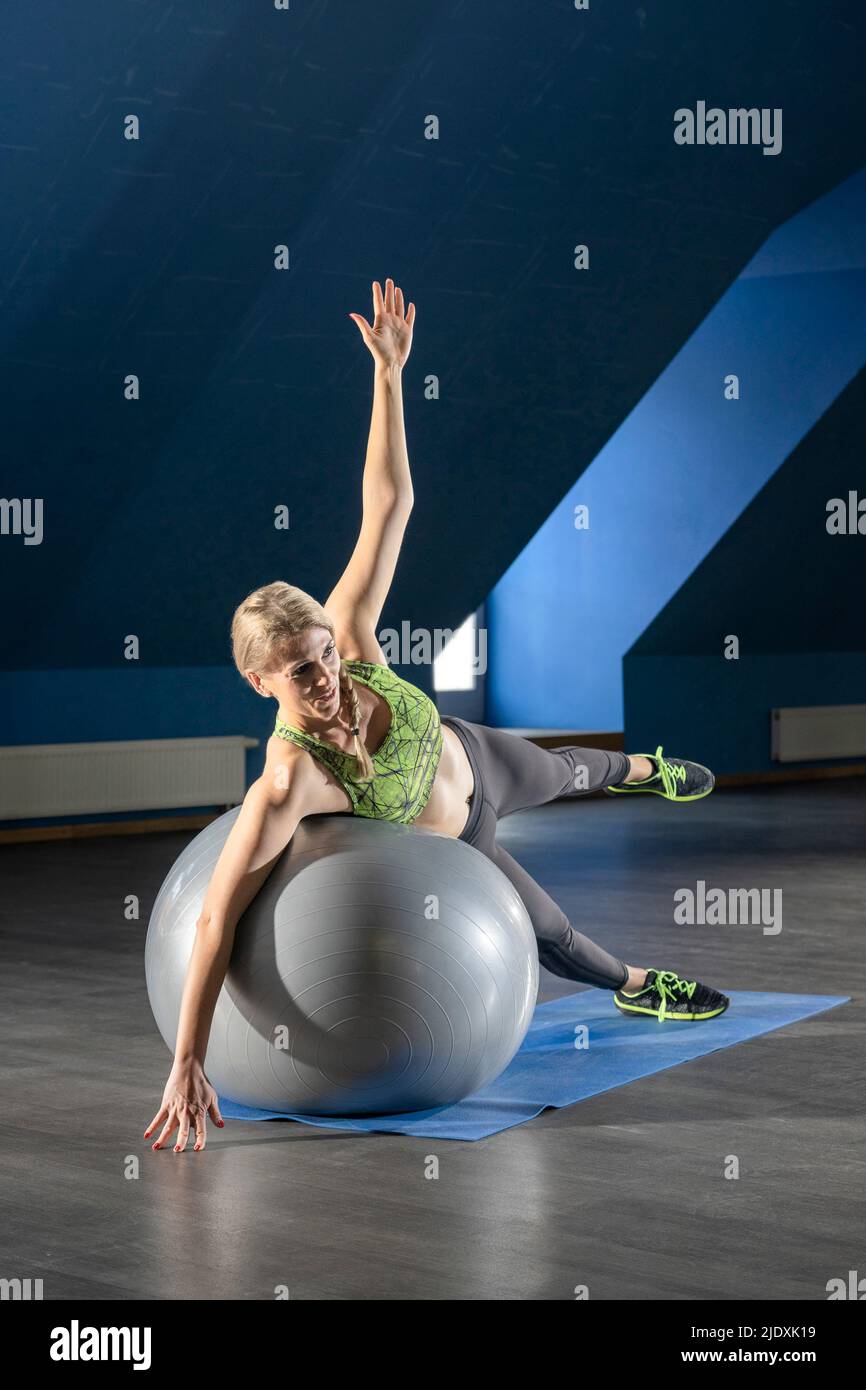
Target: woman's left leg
(499, 769)
(561, 950)
(512, 774)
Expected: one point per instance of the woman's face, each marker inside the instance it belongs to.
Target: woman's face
(308, 682)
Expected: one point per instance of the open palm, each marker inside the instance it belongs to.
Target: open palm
(389, 338)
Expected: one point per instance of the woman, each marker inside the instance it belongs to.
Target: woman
(352, 737)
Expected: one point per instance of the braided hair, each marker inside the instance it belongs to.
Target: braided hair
(363, 761)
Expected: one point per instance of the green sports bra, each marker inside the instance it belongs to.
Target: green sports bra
(405, 761)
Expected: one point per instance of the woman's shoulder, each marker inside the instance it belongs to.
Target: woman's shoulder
(285, 753)
(388, 684)
(359, 666)
(290, 766)
(372, 674)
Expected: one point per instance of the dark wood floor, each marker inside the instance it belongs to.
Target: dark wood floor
(624, 1193)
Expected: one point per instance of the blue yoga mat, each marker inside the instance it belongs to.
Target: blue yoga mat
(550, 1071)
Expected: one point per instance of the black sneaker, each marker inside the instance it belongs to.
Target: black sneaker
(674, 778)
(665, 995)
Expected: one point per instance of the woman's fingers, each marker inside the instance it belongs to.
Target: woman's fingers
(183, 1132)
(200, 1136)
(362, 323)
(181, 1117)
(391, 302)
(390, 336)
(167, 1129)
(160, 1115)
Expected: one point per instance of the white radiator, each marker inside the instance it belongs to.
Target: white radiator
(77, 779)
(818, 731)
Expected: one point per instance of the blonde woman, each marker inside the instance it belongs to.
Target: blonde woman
(351, 737)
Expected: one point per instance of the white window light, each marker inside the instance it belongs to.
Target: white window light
(454, 667)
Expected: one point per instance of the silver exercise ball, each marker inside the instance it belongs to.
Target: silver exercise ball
(381, 968)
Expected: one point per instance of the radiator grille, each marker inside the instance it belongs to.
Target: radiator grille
(814, 732)
(75, 779)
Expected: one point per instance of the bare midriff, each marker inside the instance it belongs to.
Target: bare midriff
(447, 808)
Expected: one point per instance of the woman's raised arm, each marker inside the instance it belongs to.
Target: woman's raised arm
(358, 598)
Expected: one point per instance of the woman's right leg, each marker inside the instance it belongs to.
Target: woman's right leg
(518, 775)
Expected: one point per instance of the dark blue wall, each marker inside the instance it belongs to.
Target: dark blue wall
(261, 127)
(793, 594)
(680, 470)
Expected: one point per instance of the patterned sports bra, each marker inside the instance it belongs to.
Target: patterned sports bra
(406, 760)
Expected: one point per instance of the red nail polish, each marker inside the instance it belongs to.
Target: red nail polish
(221, 1124)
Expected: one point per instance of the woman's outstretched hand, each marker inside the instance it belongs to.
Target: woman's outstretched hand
(188, 1099)
(390, 337)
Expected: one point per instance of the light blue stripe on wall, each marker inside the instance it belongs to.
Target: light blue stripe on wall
(679, 471)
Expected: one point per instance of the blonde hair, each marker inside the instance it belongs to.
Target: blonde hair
(262, 629)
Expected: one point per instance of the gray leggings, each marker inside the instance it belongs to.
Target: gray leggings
(512, 774)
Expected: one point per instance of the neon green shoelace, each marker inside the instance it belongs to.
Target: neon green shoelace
(670, 986)
(669, 775)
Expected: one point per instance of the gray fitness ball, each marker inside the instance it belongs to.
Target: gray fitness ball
(381, 968)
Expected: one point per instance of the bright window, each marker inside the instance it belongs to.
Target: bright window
(453, 668)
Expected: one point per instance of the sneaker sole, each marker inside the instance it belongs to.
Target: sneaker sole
(654, 1013)
(651, 791)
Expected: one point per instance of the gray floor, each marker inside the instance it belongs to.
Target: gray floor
(624, 1193)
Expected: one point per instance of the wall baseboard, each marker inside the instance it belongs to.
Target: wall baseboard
(801, 774)
(153, 826)
(569, 738)
(165, 824)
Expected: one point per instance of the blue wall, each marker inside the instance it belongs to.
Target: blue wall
(306, 127)
(718, 712)
(792, 593)
(680, 470)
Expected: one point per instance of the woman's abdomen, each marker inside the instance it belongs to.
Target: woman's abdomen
(447, 809)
